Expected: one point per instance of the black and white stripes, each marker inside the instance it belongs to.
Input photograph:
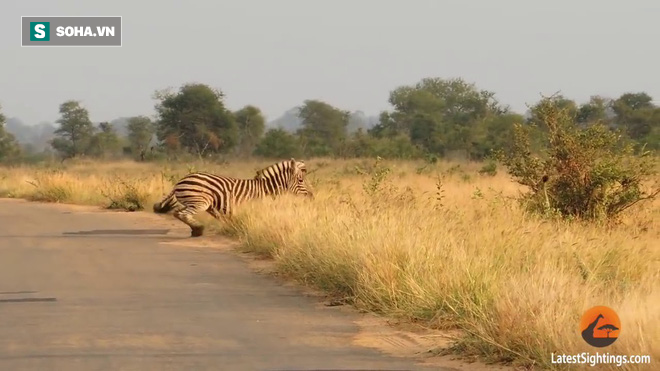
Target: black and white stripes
(219, 195)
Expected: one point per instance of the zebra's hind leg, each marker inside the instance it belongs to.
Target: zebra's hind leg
(186, 215)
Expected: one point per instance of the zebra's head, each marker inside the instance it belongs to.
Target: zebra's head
(299, 185)
(290, 174)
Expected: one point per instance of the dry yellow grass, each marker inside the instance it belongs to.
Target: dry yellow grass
(454, 252)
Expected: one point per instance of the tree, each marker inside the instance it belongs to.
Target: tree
(323, 129)
(638, 116)
(439, 115)
(9, 147)
(195, 119)
(587, 172)
(140, 133)
(568, 106)
(251, 126)
(387, 126)
(106, 142)
(74, 135)
(596, 110)
(634, 101)
(278, 143)
(609, 328)
(494, 133)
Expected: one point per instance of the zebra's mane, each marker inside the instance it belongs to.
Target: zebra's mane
(284, 165)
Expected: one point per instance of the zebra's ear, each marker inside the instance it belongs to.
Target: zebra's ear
(293, 162)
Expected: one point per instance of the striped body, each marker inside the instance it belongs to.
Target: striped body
(219, 195)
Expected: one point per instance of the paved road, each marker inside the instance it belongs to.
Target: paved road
(100, 291)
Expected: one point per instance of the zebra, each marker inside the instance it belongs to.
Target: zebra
(219, 195)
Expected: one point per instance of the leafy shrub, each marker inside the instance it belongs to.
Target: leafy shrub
(584, 172)
(489, 168)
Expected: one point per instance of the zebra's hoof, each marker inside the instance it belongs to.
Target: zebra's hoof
(197, 231)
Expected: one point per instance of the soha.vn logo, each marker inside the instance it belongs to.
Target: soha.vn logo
(600, 326)
(39, 31)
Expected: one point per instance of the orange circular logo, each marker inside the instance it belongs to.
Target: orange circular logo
(600, 326)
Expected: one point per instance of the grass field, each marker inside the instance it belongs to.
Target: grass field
(437, 244)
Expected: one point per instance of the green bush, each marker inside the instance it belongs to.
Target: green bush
(490, 168)
(584, 172)
(399, 146)
(278, 143)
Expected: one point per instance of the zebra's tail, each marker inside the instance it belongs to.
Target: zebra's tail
(167, 204)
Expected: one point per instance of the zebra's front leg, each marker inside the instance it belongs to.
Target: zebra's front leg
(220, 215)
(214, 213)
(226, 216)
(227, 211)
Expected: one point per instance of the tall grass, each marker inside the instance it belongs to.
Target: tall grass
(440, 244)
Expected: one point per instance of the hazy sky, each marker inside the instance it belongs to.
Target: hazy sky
(277, 53)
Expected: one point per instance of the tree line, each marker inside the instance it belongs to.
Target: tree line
(433, 118)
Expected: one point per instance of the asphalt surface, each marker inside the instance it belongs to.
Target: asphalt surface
(112, 291)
